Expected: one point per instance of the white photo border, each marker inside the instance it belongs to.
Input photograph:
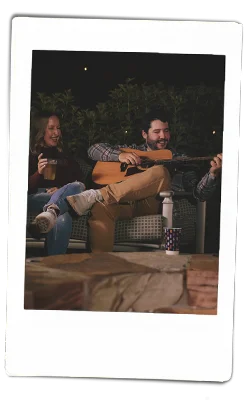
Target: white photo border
(119, 345)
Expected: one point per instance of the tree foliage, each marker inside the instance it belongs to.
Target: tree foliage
(196, 112)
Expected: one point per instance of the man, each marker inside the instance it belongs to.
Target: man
(136, 196)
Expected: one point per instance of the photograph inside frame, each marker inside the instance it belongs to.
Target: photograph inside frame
(124, 183)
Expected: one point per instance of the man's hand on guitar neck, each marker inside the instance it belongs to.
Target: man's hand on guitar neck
(129, 158)
(216, 165)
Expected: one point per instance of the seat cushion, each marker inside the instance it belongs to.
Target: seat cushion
(80, 228)
(146, 229)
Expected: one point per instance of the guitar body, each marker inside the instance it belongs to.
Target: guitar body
(106, 172)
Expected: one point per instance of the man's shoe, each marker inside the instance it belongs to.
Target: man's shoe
(83, 202)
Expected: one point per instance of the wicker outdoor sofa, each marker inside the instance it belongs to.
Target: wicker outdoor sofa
(147, 231)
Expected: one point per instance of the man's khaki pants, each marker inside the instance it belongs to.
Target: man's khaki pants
(137, 196)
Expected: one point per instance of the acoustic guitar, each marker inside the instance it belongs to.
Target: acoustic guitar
(106, 172)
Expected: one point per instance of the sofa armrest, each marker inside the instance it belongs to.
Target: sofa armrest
(167, 205)
(167, 208)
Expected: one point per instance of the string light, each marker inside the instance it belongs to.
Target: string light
(85, 68)
(214, 132)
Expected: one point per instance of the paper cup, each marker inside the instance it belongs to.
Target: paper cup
(172, 240)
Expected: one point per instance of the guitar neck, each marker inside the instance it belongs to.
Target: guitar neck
(163, 156)
(178, 160)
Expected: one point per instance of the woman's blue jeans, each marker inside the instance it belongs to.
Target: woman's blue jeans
(57, 240)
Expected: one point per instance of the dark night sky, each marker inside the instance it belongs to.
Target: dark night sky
(56, 71)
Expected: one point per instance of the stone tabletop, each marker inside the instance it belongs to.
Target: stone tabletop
(123, 281)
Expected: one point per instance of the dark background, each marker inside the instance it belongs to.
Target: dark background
(56, 71)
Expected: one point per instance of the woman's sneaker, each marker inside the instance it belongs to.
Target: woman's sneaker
(43, 223)
(83, 202)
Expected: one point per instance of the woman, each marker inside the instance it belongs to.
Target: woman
(48, 195)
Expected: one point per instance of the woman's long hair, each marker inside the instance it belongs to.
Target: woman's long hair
(38, 124)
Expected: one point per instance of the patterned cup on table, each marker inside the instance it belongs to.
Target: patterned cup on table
(172, 240)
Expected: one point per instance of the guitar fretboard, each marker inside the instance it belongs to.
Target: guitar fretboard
(176, 160)
(183, 159)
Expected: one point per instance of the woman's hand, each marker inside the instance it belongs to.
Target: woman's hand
(42, 162)
(51, 190)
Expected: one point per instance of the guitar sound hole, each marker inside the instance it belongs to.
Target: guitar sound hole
(147, 164)
(133, 171)
(123, 167)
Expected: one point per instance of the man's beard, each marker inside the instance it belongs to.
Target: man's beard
(152, 144)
